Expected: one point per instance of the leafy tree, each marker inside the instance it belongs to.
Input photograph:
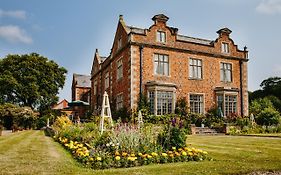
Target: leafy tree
(272, 86)
(30, 80)
(18, 116)
(258, 105)
(268, 116)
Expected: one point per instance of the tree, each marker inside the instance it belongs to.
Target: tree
(269, 116)
(258, 105)
(13, 115)
(272, 86)
(30, 80)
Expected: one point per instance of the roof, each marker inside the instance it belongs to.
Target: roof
(194, 40)
(78, 103)
(82, 80)
(136, 30)
(61, 105)
(141, 31)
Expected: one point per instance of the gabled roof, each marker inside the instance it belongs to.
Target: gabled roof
(82, 80)
(61, 105)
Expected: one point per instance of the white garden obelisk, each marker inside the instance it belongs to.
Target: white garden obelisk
(105, 112)
(140, 122)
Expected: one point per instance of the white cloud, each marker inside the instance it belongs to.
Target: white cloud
(269, 7)
(19, 14)
(14, 34)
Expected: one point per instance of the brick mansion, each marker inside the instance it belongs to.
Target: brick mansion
(165, 66)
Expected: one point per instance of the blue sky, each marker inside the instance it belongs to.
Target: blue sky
(68, 31)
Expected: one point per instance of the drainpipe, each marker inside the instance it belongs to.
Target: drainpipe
(241, 88)
(141, 50)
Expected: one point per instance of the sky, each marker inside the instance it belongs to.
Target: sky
(69, 31)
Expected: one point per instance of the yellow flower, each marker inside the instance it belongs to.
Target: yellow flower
(190, 153)
(98, 158)
(186, 149)
(149, 156)
(184, 153)
(170, 152)
(124, 154)
(140, 154)
(117, 153)
(133, 155)
(117, 158)
(132, 158)
(174, 148)
(205, 152)
(180, 149)
(91, 159)
(177, 154)
(154, 154)
(164, 154)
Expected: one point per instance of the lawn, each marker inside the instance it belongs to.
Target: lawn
(30, 152)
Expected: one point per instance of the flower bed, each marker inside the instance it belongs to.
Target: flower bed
(122, 159)
(126, 145)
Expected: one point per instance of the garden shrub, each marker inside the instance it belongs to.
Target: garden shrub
(61, 122)
(158, 119)
(268, 116)
(259, 105)
(174, 135)
(122, 114)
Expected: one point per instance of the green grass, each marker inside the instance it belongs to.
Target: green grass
(30, 152)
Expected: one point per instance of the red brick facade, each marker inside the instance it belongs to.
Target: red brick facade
(81, 87)
(167, 71)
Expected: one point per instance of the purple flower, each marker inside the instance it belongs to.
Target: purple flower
(174, 122)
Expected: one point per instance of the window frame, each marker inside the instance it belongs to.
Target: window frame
(161, 36)
(224, 70)
(200, 104)
(119, 70)
(106, 80)
(163, 101)
(160, 63)
(225, 48)
(194, 69)
(119, 101)
(232, 106)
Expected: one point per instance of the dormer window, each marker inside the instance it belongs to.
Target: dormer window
(161, 36)
(224, 47)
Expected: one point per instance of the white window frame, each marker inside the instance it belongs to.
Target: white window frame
(200, 103)
(232, 105)
(195, 68)
(161, 36)
(225, 48)
(166, 106)
(161, 63)
(119, 69)
(224, 70)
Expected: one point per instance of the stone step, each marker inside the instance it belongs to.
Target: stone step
(205, 130)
